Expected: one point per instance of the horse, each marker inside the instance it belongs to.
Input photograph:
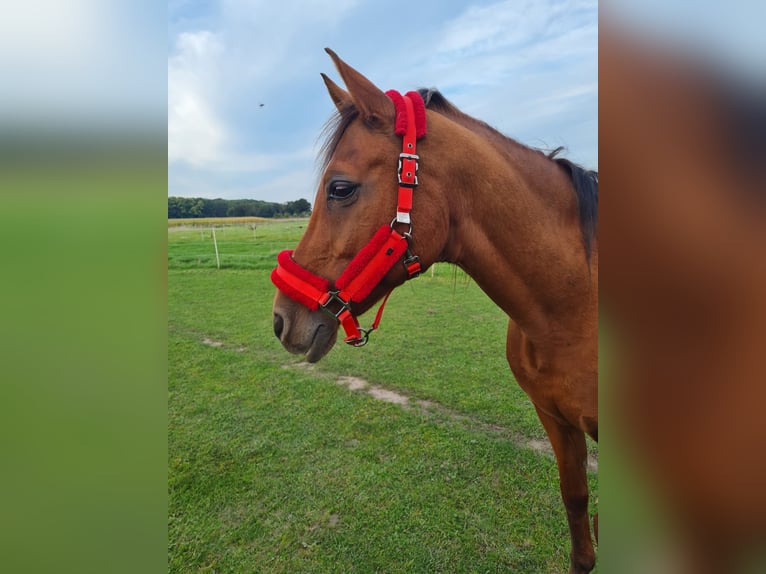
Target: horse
(411, 179)
(684, 153)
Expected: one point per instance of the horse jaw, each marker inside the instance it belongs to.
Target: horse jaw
(303, 332)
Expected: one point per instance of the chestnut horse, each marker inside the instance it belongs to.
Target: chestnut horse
(684, 149)
(521, 223)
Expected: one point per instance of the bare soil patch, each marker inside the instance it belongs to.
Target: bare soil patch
(426, 407)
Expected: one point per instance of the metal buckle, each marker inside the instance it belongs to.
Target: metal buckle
(409, 156)
(344, 305)
(409, 261)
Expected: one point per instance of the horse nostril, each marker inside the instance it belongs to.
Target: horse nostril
(279, 325)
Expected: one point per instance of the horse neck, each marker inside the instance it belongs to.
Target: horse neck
(514, 228)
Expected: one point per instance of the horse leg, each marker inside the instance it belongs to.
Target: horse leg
(571, 456)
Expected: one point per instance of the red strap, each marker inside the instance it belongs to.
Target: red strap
(298, 283)
(419, 117)
(354, 334)
(364, 257)
(413, 268)
(356, 286)
(408, 165)
(350, 325)
(367, 278)
(411, 125)
(379, 314)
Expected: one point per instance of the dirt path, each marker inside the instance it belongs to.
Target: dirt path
(430, 408)
(424, 408)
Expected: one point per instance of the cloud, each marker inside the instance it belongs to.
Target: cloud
(216, 79)
(195, 134)
(527, 68)
(485, 28)
(491, 44)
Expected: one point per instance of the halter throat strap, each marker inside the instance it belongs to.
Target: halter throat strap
(367, 269)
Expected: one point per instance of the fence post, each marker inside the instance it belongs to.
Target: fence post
(215, 244)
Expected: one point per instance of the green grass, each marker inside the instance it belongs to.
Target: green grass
(273, 467)
(219, 221)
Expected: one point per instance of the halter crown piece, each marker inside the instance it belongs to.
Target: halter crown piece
(367, 269)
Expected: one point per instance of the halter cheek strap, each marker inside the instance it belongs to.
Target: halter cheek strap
(367, 269)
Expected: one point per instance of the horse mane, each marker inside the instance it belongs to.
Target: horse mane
(585, 184)
(333, 131)
(584, 181)
(743, 136)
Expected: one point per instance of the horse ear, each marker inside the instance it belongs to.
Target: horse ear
(374, 105)
(339, 96)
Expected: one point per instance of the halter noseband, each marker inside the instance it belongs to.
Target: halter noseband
(367, 269)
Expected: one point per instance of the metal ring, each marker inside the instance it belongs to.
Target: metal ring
(407, 234)
(361, 341)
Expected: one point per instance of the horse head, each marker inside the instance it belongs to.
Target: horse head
(360, 242)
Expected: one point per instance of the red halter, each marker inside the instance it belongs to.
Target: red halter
(375, 259)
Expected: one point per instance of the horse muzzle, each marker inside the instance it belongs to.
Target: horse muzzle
(303, 332)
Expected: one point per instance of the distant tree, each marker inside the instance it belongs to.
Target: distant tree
(197, 207)
(187, 207)
(300, 207)
(236, 209)
(175, 208)
(216, 207)
(267, 210)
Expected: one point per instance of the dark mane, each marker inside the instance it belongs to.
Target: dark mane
(743, 112)
(584, 182)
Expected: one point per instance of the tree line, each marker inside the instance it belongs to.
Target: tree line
(189, 207)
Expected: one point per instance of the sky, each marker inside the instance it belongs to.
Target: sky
(246, 103)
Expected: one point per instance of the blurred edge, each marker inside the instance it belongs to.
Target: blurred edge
(83, 178)
(682, 134)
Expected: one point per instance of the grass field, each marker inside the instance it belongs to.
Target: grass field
(219, 221)
(276, 467)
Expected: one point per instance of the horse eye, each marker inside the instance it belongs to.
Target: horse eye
(341, 189)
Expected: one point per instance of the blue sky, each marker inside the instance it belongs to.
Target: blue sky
(529, 68)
